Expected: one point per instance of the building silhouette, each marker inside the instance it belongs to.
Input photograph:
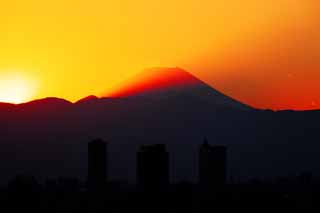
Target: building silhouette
(153, 167)
(97, 164)
(212, 165)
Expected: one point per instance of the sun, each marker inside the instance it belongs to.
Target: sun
(16, 88)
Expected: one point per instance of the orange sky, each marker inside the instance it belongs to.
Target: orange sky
(264, 53)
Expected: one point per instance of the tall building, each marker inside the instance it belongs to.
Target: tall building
(212, 165)
(97, 164)
(153, 167)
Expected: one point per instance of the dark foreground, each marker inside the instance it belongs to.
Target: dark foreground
(25, 194)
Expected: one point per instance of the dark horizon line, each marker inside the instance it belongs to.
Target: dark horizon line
(118, 98)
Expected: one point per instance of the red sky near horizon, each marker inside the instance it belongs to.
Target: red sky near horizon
(263, 53)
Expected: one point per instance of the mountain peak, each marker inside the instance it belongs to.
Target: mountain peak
(170, 73)
(47, 103)
(48, 100)
(154, 80)
(86, 99)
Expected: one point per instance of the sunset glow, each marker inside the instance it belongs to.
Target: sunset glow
(263, 53)
(15, 89)
(154, 79)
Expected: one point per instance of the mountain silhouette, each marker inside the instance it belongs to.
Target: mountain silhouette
(168, 82)
(87, 99)
(48, 137)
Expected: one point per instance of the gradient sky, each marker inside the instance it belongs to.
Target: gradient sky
(263, 53)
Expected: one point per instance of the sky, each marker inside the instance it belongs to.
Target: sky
(263, 53)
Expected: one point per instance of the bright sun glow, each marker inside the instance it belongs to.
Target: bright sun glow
(16, 88)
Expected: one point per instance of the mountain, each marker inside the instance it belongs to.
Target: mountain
(168, 82)
(87, 99)
(48, 137)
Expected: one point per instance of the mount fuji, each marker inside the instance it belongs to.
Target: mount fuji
(172, 82)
